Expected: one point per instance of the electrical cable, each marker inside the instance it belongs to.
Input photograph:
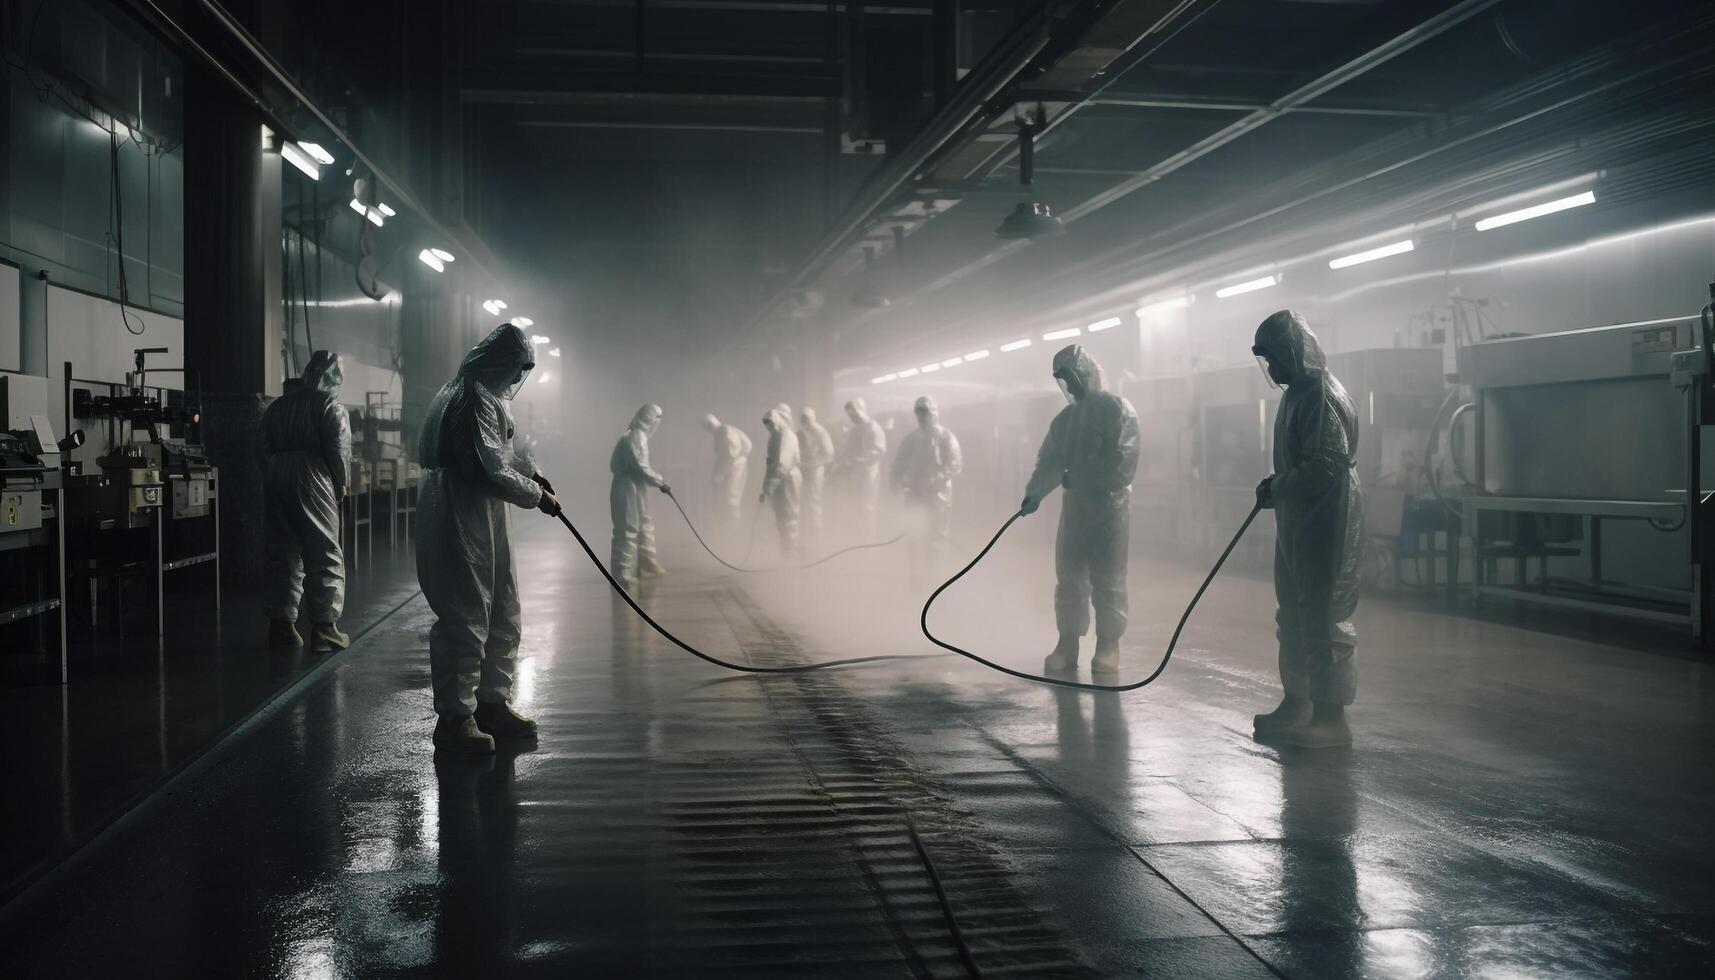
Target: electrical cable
(779, 568)
(923, 619)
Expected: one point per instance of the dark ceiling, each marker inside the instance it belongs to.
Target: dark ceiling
(694, 163)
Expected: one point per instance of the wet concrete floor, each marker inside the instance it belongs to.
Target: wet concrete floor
(1518, 804)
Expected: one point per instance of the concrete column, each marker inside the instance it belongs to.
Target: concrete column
(233, 301)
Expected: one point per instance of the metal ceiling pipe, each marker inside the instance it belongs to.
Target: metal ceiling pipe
(974, 92)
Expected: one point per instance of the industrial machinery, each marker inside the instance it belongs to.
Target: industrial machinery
(32, 546)
(379, 440)
(1588, 450)
(154, 475)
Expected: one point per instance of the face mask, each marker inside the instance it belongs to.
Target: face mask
(511, 391)
(1065, 390)
(1262, 362)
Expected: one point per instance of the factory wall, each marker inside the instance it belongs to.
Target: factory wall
(58, 202)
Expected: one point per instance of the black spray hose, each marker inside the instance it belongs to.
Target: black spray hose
(778, 568)
(700, 655)
(923, 620)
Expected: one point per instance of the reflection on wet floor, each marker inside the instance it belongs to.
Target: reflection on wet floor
(674, 820)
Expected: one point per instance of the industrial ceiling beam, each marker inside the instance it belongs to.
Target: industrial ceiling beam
(537, 87)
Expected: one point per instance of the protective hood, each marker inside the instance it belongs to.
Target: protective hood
(324, 373)
(777, 417)
(647, 417)
(857, 405)
(1073, 361)
(808, 415)
(711, 423)
(499, 358)
(927, 404)
(1286, 338)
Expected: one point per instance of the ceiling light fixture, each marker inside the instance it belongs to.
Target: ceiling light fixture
(377, 220)
(315, 150)
(1108, 324)
(544, 378)
(952, 362)
(553, 352)
(1031, 218)
(298, 158)
(539, 339)
(908, 373)
(1062, 334)
(1248, 286)
(930, 368)
(494, 306)
(428, 258)
(976, 356)
(523, 321)
(884, 379)
(442, 254)
(1015, 345)
(1537, 211)
(389, 212)
(1359, 258)
(358, 206)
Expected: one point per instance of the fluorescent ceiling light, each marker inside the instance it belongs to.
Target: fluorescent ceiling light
(428, 258)
(930, 368)
(1246, 287)
(884, 379)
(523, 321)
(553, 352)
(1062, 334)
(1015, 345)
(442, 254)
(539, 339)
(544, 378)
(389, 212)
(1163, 306)
(494, 306)
(1108, 324)
(1359, 258)
(359, 207)
(298, 158)
(376, 219)
(1537, 211)
(953, 362)
(315, 150)
(976, 356)
(908, 373)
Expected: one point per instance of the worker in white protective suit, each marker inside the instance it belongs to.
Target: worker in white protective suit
(1318, 509)
(464, 552)
(304, 446)
(816, 457)
(633, 551)
(860, 464)
(1091, 451)
(923, 470)
(782, 480)
(732, 457)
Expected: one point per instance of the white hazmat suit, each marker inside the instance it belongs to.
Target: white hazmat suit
(304, 447)
(464, 552)
(928, 460)
(1091, 451)
(633, 549)
(732, 456)
(816, 455)
(782, 481)
(865, 448)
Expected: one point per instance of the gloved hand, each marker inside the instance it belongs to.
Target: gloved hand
(1029, 506)
(542, 482)
(548, 505)
(666, 489)
(1265, 493)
